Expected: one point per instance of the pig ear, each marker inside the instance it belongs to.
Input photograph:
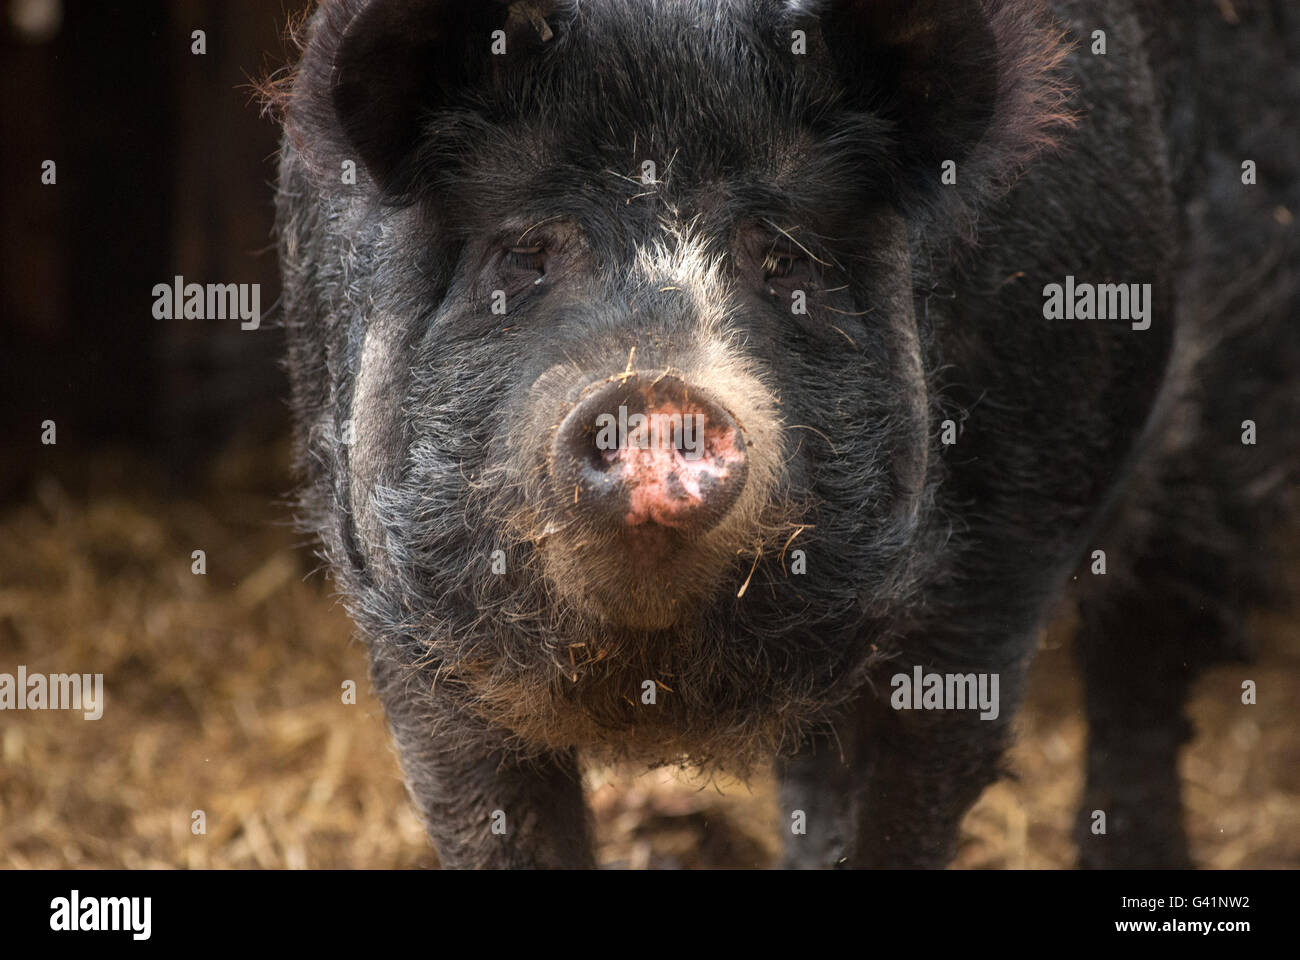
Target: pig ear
(372, 70)
(974, 82)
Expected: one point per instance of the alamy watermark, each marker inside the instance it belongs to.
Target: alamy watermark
(54, 691)
(214, 301)
(946, 691)
(653, 431)
(1098, 301)
(75, 913)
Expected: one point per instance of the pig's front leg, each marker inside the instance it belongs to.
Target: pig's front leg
(923, 771)
(482, 806)
(819, 794)
(891, 787)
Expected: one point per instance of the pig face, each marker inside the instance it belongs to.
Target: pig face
(619, 314)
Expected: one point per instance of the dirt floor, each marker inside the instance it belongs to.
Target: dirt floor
(223, 695)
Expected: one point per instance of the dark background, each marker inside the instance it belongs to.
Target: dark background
(164, 168)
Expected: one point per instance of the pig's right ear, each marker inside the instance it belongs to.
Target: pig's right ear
(373, 69)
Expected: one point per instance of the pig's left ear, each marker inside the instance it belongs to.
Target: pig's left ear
(372, 69)
(974, 82)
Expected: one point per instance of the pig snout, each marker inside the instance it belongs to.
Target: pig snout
(649, 451)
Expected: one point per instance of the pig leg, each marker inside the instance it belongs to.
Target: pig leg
(482, 805)
(817, 801)
(1138, 658)
(906, 780)
(923, 770)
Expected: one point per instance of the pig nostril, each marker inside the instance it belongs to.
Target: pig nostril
(590, 450)
(677, 459)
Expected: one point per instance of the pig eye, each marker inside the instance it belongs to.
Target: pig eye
(782, 264)
(529, 259)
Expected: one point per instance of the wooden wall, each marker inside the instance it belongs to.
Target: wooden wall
(164, 167)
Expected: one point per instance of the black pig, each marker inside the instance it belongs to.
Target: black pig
(839, 261)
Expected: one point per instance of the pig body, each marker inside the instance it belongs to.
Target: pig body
(825, 234)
